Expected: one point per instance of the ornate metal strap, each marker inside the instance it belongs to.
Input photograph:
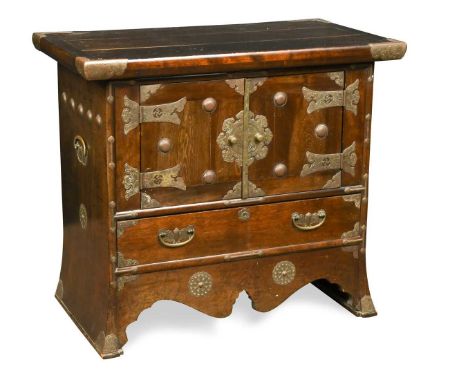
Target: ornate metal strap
(176, 237)
(134, 181)
(308, 221)
(345, 161)
(321, 99)
(134, 114)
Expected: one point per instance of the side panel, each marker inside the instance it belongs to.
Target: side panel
(84, 286)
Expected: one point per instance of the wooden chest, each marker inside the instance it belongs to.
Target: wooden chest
(200, 162)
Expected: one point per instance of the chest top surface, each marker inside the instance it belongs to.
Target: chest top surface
(144, 53)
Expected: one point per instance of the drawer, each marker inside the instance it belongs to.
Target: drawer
(233, 230)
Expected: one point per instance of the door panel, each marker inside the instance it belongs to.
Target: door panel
(181, 139)
(295, 132)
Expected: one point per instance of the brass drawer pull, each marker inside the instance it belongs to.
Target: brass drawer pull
(308, 221)
(176, 237)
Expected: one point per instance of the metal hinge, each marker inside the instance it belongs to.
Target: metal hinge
(133, 114)
(345, 161)
(319, 99)
(134, 180)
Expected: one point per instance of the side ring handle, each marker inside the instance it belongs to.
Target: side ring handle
(176, 237)
(308, 221)
(81, 150)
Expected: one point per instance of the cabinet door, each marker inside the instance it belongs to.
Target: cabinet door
(181, 162)
(305, 116)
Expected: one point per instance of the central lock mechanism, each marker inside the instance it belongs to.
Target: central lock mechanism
(231, 139)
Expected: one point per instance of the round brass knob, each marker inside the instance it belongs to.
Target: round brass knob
(321, 130)
(280, 169)
(164, 145)
(232, 140)
(280, 98)
(209, 176)
(259, 137)
(209, 104)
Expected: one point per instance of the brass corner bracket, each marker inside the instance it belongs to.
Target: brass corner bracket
(392, 50)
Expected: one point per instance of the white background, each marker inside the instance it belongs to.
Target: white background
(417, 227)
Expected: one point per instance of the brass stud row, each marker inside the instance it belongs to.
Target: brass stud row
(80, 109)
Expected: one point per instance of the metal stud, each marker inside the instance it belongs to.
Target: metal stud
(280, 169)
(232, 140)
(98, 119)
(64, 97)
(259, 137)
(321, 131)
(280, 98)
(209, 104)
(80, 109)
(89, 114)
(83, 215)
(164, 145)
(209, 176)
(72, 103)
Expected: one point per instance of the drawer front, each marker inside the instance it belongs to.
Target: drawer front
(234, 230)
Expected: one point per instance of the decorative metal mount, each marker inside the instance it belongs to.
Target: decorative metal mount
(239, 84)
(148, 202)
(338, 77)
(334, 182)
(122, 280)
(133, 114)
(345, 161)
(123, 225)
(176, 237)
(123, 262)
(321, 99)
(354, 198)
(200, 284)
(236, 192)
(146, 91)
(108, 346)
(134, 181)
(308, 221)
(231, 139)
(353, 234)
(284, 272)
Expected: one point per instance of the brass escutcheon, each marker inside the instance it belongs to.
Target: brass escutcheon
(244, 214)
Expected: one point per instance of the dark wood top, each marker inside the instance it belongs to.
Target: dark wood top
(137, 53)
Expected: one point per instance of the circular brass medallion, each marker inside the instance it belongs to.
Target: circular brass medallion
(284, 272)
(83, 216)
(200, 284)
